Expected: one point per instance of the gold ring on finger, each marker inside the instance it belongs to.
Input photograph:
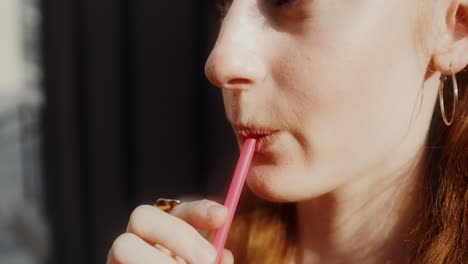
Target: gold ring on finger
(166, 205)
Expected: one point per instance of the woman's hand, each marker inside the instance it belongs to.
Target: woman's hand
(156, 237)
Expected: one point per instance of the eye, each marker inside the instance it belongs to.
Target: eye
(281, 3)
(277, 5)
(289, 10)
(223, 7)
(285, 8)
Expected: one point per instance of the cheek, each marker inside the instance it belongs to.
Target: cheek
(354, 86)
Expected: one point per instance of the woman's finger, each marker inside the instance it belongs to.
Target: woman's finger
(130, 249)
(202, 214)
(165, 250)
(227, 257)
(178, 259)
(157, 227)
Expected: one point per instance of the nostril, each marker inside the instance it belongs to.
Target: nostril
(239, 81)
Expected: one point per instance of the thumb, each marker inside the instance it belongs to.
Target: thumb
(227, 257)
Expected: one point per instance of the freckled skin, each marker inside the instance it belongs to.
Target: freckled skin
(340, 79)
(340, 95)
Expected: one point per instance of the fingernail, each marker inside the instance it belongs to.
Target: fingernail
(216, 210)
(205, 253)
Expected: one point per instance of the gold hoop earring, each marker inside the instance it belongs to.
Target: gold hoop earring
(441, 99)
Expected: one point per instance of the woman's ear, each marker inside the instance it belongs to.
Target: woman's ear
(451, 54)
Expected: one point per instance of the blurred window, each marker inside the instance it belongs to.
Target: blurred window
(23, 229)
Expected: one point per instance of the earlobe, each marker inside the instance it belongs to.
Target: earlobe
(451, 56)
(460, 56)
(442, 61)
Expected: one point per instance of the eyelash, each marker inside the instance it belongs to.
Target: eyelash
(282, 3)
(224, 5)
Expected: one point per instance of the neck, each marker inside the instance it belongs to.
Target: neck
(366, 221)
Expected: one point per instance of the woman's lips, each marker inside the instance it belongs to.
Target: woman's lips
(265, 137)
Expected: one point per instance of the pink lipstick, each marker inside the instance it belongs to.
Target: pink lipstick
(264, 137)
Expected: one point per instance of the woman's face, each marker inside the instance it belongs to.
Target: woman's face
(332, 89)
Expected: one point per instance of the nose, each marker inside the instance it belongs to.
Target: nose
(235, 61)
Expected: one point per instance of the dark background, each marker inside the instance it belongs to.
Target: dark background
(129, 115)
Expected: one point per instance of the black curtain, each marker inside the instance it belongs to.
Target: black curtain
(129, 115)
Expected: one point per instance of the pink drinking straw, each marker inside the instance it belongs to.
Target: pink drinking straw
(234, 193)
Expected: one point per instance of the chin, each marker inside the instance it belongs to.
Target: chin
(282, 185)
(290, 183)
(265, 192)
